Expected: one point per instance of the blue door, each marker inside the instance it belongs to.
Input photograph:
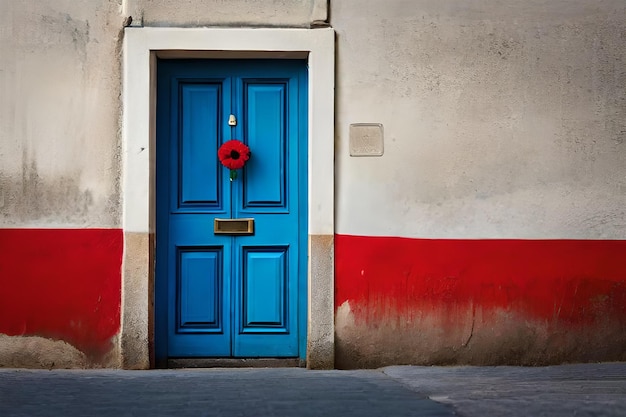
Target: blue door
(220, 290)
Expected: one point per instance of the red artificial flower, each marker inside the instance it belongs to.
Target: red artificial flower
(233, 154)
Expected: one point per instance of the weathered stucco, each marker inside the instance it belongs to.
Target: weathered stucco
(480, 302)
(501, 118)
(62, 284)
(39, 352)
(475, 338)
(187, 13)
(138, 300)
(321, 328)
(59, 113)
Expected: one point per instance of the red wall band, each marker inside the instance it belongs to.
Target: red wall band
(66, 283)
(572, 281)
(62, 284)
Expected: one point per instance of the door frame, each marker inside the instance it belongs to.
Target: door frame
(140, 49)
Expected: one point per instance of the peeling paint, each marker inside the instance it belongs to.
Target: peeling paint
(39, 352)
(63, 285)
(498, 338)
(481, 302)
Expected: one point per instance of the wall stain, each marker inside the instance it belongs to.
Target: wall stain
(31, 196)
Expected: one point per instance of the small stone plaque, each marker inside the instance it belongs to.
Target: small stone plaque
(366, 139)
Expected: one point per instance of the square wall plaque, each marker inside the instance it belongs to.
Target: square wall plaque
(366, 139)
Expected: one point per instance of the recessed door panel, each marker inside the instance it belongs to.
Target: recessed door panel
(265, 290)
(265, 130)
(199, 133)
(200, 284)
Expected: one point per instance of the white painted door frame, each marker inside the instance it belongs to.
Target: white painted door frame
(141, 47)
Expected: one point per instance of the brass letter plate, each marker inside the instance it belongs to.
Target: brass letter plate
(233, 227)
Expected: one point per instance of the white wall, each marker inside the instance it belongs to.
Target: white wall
(59, 113)
(185, 13)
(502, 119)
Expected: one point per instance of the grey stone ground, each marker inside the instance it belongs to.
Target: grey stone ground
(571, 390)
(554, 391)
(211, 392)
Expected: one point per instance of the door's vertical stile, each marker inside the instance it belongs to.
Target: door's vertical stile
(162, 218)
(302, 174)
(238, 133)
(235, 132)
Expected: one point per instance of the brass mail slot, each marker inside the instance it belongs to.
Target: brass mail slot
(233, 227)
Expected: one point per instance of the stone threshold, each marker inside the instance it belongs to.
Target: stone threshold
(178, 363)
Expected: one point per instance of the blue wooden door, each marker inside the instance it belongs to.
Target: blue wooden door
(222, 295)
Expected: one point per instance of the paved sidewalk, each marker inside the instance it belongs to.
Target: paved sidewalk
(570, 390)
(210, 392)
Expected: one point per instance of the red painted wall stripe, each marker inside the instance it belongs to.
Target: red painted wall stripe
(62, 284)
(575, 282)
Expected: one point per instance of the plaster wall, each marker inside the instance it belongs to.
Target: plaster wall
(502, 119)
(59, 113)
(186, 13)
(492, 229)
(60, 162)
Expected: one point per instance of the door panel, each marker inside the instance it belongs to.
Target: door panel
(221, 295)
(200, 282)
(198, 154)
(264, 291)
(265, 131)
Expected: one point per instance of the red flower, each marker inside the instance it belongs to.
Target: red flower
(233, 154)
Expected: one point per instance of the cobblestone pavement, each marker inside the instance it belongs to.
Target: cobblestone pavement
(554, 391)
(569, 390)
